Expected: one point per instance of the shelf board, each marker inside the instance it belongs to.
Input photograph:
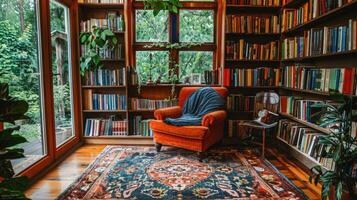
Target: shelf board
(304, 158)
(264, 36)
(101, 5)
(351, 53)
(253, 87)
(232, 8)
(104, 111)
(177, 85)
(329, 15)
(264, 62)
(294, 3)
(308, 124)
(103, 86)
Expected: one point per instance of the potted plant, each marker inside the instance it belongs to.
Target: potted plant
(11, 110)
(158, 5)
(340, 147)
(95, 41)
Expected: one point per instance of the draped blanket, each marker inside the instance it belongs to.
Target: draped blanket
(199, 103)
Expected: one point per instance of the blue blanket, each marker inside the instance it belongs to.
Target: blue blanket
(199, 103)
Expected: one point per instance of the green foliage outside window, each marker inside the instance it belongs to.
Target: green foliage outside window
(194, 62)
(196, 26)
(150, 28)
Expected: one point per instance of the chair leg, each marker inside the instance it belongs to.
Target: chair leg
(158, 147)
(200, 156)
(263, 145)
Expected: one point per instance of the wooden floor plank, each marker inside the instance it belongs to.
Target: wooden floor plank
(58, 179)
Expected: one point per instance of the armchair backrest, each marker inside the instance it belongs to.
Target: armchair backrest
(187, 91)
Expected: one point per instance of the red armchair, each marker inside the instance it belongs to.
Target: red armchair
(196, 138)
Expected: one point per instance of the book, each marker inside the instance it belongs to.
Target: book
(150, 104)
(94, 101)
(254, 2)
(340, 80)
(105, 127)
(113, 21)
(239, 102)
(252, 24)
(105, 77)
(115, 53)
(253, 77)
(141, 126)
(244, 50)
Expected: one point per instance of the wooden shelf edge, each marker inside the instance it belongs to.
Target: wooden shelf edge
(308, 124)
(101, 5)
(307, 58)
(104, 111)
(102, 86)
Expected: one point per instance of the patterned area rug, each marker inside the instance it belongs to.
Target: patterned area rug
(141, 173)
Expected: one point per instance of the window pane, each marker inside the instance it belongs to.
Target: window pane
(20, 67)
(150, 28)
(196, 26)
(61, 69)
(152, 64)
(195, 62)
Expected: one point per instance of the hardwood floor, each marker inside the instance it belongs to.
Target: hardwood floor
(58, 179)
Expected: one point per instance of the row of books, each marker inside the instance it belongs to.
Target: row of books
(254, 2)
(319, 41)
(107, 53)
(150, 104)
(240, 103)
(211, 76)
(342, 80)
(308, 11)
(105, 127)
(113, 21)
(305, 140)
(101, 1)
(141, 126)
(239, 77)
(105, 77)
(300, 108)
(244, 50)
(252, 24)
(103, 101)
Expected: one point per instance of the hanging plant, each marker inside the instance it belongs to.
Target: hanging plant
(158, 5)
(180, 45)
(95, 41)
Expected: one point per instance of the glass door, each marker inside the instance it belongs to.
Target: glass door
(62, 72)
(21, 68)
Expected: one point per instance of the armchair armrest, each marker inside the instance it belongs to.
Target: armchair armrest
(172, 112)
(214, 117)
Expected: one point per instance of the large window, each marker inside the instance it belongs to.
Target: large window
(20, 67)
(192, 30)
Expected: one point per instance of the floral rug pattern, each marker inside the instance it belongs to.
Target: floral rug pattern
(141, 173)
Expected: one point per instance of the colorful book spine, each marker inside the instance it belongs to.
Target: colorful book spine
(340, 80)
(105, 127)
(254, 77)
(106, 77)
(141, 126)
(305, 140)
(108, 53)
(240, 103)
(104, 101)
(149, 104)
(252, 24)
(244, 50)
(113, 21)
(254, 2)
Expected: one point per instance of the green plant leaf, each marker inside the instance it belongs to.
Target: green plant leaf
(4, 90)
(16, 183)
(6, 169)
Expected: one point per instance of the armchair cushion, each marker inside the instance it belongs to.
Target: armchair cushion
(192, 132)
(214, 117)
(172, 112)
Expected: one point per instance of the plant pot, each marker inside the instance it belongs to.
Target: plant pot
(345, 194)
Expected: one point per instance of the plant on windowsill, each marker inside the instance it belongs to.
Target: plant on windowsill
(95, 41)
(11, 110)
(340, 146)
(158, 5)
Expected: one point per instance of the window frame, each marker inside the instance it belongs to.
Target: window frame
(174, 53)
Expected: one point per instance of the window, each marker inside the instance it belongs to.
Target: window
(193, 27)
(61, 70)
(20, 67)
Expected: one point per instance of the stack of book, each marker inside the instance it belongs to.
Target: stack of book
(264, 76)
(113, 22)
(105, 77)
(149, 104)
(141, 126)
(103, 101)
(319, 41)
(108, 53)
(254, 2)
(244, 50)
(105, 127)
(305, 140)
(309, 10)
(240, 103)
(252, 24)
(101, 1)
(342, 80)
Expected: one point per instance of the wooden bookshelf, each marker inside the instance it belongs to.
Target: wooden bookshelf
(96, 6)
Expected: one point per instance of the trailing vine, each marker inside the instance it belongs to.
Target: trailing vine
(173, 45)
(158, 5)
